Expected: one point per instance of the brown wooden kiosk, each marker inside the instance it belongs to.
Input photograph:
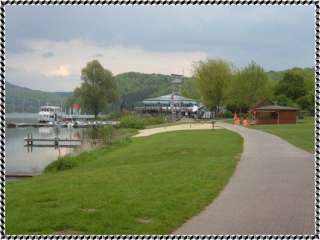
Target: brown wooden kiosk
(274, 114)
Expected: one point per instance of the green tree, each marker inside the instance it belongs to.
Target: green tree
(213, 77)
(98, 87)
(249, 86)
(292, 85)
(307, 102)
(190, 89)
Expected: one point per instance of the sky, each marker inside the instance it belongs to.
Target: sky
(47, 46)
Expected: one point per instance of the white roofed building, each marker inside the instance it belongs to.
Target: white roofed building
(168, 104)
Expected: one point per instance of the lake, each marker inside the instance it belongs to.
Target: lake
(19, 160)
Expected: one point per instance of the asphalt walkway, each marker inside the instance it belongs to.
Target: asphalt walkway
(271, 191)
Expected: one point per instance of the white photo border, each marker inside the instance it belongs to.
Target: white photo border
(315, 3)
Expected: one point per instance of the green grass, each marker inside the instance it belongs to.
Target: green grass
(145, 185)
(300, 134)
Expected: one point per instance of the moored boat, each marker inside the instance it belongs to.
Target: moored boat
(50, 114)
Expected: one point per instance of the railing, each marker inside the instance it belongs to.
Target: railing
(56, 142)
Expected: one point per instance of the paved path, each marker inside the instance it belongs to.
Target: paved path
(187, 126)
(271, 191)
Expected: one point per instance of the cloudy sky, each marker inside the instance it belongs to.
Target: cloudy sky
(46, 46)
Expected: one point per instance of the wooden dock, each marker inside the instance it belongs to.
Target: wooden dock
(74, 124)
(51, 142)
(19, 175)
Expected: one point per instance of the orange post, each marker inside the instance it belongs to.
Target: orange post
(236, 119)
(245, 122)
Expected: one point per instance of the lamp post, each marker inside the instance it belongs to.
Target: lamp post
(176, 89)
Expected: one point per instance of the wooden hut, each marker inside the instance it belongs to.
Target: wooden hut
(274, 114)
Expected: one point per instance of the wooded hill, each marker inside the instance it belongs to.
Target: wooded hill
(21, 99)
(133, 88)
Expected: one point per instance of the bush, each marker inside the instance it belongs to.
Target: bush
(154, 120)
(225, 114)
(132, 121)
(105, 133)
(114, 115)
(61, 164)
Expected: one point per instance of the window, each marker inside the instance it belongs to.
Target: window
(267, 115)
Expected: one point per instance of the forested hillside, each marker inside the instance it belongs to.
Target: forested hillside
(133, 87)
(307, 73)
(20, 99)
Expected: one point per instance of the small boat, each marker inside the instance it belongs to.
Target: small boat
(62, 124)
(79, 124)
(49, 114)
(11, 125)
(23, 125)
(70, 124)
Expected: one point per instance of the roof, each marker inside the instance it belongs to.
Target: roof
(177, 81)
(276, 107)
(168, 98)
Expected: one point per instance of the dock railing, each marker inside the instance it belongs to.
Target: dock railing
(56, 142)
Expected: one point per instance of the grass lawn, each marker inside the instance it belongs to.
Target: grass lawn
(300, 134)
(146, 185)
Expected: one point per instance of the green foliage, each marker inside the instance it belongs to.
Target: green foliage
(307, 102)
(190, 89)
(143, 187)
(134, 87)
(140, 121)
(97, 89)
(296, 88)
(283, 100)
(225, 114)
(62, 164)
(292, 85)
(132, 121)
(248, 87)
(213, 77)
(275, 76)
(115, 115)
(154, 120)
(104, 133)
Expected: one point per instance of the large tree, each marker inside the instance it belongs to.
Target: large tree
(212, 78)
(298, 86)
(98, 87)
(249, 86)
(292, 85)
(190, 89)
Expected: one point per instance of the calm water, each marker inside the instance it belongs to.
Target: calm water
(18, 159)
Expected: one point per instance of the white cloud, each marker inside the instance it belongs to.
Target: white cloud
(69, 57)
(61, 71)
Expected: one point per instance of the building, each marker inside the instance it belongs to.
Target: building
(168, 104)
(274, 114)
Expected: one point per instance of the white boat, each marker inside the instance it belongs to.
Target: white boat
(50, 114)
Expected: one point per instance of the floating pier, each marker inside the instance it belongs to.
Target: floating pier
(75, 124)
(19, 175)
(31, 142)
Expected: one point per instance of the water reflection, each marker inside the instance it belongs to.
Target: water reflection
(18, 160)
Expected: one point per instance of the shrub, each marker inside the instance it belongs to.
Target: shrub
(154, 120)
(114, 115)
(61, 164)
(225, 114)
(105, 133)
(132, 121)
